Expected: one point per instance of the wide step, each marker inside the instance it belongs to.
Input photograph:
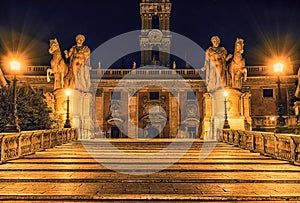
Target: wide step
(69, 173)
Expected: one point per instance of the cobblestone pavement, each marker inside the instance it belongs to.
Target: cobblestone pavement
(68, 173)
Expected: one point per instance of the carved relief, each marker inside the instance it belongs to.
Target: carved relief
(115, 109)
(144, 43)
(166, 43)
(155, 8)
(191, 110)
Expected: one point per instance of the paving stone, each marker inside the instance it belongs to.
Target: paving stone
(69, 173)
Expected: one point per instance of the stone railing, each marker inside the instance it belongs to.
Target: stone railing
(146, 73)
(279, 146)
(29, 70)
(268, 70)
(16, 145)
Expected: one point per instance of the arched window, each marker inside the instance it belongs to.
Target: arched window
(155, 53)
(155, 22)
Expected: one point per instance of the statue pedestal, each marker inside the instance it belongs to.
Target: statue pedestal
(238, 112)
(80, 111)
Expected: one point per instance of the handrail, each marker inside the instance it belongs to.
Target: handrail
(279, 146)
(16, 145)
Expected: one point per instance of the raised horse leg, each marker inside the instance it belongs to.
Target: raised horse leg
(62, 79)
(49, 72)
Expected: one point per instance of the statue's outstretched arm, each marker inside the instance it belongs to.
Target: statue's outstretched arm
(66, 54)
(228, 57)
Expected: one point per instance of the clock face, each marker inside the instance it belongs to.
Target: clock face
(155, 36)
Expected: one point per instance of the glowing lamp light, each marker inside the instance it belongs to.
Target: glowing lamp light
(225, 93)
(68, 122)
(15, 65)
(278, 67)
(68, 92)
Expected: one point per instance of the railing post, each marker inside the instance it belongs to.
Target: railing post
(296, 141)
(31, 142)
(276, 151)
(56, 137)
(2, 148)
(19, 146)
(42, 141)
(293, 150)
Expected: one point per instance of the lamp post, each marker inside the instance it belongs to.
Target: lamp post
(280, 123)
(67, 123)
(13, 125)
(226, 123)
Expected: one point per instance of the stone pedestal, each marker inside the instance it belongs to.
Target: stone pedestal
(80, 111)
(206, 126)
(238, 112)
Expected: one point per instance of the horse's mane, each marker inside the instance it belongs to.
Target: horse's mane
(240, 42)
(54, 41)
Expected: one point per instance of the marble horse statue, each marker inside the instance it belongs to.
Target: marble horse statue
(237, 69)
(58, 66)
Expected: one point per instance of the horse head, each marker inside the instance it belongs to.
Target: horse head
(239, 46)
(54, 46)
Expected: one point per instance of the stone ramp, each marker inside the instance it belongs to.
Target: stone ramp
(68, 173)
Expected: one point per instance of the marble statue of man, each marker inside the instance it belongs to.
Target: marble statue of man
(79, 69)
(215, 65)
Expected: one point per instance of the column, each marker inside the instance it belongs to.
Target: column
(132, 114)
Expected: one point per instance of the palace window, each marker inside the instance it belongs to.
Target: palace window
(116, 95)
(154, 95)
(267, 92)
(191, 95)
(155, 53)
(155, 22)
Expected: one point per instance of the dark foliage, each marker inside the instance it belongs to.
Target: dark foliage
(32, 110)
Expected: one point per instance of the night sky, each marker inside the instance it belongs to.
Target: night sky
(269, 28)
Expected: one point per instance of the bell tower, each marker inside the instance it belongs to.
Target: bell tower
(155, 38)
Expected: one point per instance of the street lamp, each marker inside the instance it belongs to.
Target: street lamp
(226, 123)
(280, 123)
(13, 125)
(67, 123)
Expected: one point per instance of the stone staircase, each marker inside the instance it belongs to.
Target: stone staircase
(69, 173)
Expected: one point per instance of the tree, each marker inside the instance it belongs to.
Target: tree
(32, 110)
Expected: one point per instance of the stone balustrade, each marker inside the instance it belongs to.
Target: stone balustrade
(279, 146)
(268, 70)
(16, 145)
(146, 73)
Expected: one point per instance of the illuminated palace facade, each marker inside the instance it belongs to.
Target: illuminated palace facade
(161, 107)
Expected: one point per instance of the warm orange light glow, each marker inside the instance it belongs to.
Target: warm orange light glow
(225, 93)
(15, 65)
(278, 67)
(272, 118)
(68, 92)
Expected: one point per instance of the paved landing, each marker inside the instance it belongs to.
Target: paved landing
(135, 171)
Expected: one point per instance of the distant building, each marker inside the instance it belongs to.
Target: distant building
(161, 107)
